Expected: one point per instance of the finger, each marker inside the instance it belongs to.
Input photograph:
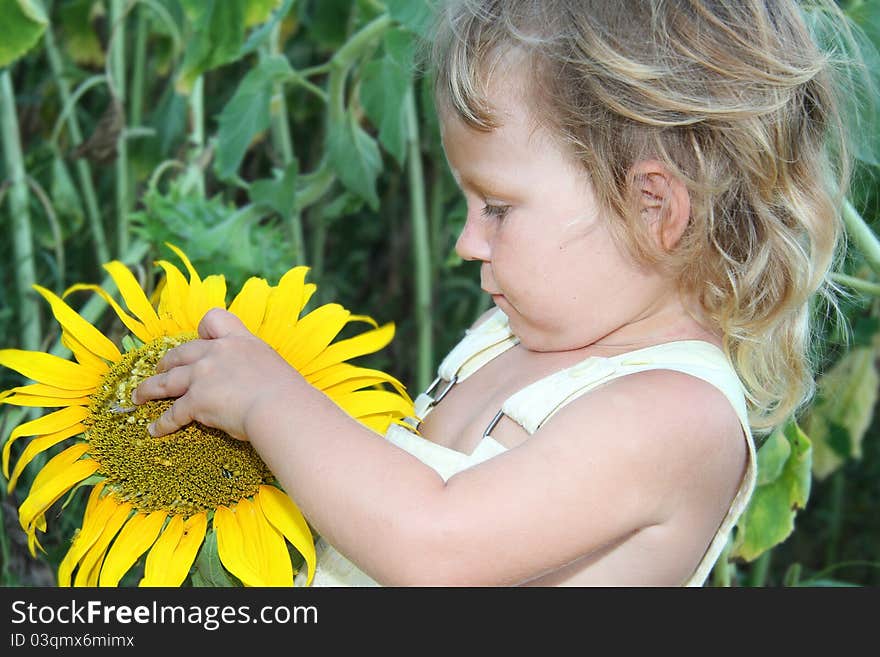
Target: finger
(174, 418)
(218, 323)
(173, 383)
(183, 354)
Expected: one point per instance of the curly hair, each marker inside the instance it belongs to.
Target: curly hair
(740, 102)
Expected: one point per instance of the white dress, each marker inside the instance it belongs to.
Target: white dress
(535, 404)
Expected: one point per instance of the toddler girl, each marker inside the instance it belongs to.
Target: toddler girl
(652, 201)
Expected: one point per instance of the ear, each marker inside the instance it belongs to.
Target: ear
(663, 201)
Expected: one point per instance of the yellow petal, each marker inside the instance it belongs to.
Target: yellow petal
(274, 559)
(90, 567)
(83, 355)
(57, 421)
(44, 402)
(356, 378)
(368, 402)
(173, 553)
(43, 390)
(286, 518)
(38, 445)
(365, 343)
(366, 319)
(233, 549)
(134, 326)
(136, 537)
(174, 299)
(58, 463)
(41, 498)
(249, 305)
(49, 369)
(312, 334)
(214, 288)
(283, 306)
(378, 422)
(161, 554)
(98, 512)
(193, 275)
(308, 290)
(79, 328)
(135, 298)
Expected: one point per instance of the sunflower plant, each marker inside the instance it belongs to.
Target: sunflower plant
(198, 489)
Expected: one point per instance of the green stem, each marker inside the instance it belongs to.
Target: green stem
(194, 178)
(348, 54)
(863, 238)
(319, 242)
(436, 219)
(136, 106)
(314, 186)
(838, 486)
(6, 578)
(345, 58)
(857, 283)
(117, 84)
(54, 226)
(760, 569)
(22, 239)
(421, 247)
(283, 142)
(83, 170)
(722, 574)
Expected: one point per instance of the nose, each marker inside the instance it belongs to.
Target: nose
(473, 243)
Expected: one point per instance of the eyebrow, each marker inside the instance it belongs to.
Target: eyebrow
(478, 184)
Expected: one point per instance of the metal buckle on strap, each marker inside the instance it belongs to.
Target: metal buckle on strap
(493, 423)
(435, 385)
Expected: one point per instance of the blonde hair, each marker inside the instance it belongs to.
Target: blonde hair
(739, 102)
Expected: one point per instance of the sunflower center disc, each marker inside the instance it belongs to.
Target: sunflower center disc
(194, 469)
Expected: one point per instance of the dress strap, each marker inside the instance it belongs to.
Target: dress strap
(532, 406)
(479, 345)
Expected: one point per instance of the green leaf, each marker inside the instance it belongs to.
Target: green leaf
(169, 120)
(65, 197)
(216, 37)
(247, 113)
(23, 23)
(859, 77)
(797, 472)
(208, 227)
(278, 194)
(258, 11)
(769, 518)
(385, 83)
(355, 157)
(79, 36)
(414, 14)
(326, 21)
(258, 36)
(845, 400)
(208, 569)
(772, 457)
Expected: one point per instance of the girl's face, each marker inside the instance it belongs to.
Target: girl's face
(547, 257)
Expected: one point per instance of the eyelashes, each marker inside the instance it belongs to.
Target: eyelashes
(499, 211)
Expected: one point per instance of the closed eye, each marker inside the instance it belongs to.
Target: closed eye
(495, 210)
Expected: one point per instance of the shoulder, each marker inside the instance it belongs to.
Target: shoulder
(678, 434)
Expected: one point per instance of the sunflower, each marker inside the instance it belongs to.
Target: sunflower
(167, 496)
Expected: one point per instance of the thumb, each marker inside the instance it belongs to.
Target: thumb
(219, 323)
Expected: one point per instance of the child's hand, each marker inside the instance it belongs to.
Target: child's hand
(218, 380)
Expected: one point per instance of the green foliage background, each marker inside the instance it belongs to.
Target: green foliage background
(260, 134)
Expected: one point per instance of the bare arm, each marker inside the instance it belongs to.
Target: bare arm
(586, 479)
